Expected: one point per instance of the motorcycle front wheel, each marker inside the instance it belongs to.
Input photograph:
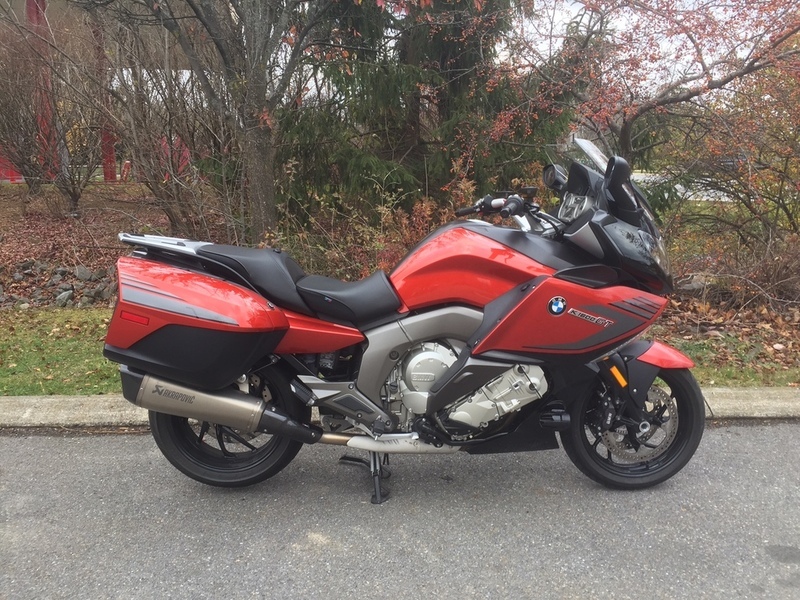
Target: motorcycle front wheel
(223, 456)
(626, 457)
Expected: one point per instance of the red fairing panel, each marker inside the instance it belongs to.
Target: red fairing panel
(308, 335)
(461, 266)
(152, 295)
(557, 317)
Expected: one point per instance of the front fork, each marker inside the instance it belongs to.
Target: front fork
(628, 375)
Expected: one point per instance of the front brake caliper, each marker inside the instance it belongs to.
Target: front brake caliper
(608, 412)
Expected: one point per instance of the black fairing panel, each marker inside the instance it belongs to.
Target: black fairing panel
(527, 436)
(556, 255)
(201, 358)
(594, 276)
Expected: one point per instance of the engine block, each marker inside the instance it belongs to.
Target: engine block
(425, 363)
(515, 388)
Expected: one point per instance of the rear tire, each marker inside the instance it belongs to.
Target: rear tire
(624, 459)
(226, 457)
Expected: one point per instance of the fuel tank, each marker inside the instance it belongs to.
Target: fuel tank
(473, 262)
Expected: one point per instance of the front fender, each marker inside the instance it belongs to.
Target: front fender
(665, 357)
(638, 365)
(643, 360)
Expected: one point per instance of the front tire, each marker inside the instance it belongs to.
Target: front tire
(624, 458)
(226, 457)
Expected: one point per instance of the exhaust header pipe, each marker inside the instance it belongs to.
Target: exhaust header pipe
(228, 407)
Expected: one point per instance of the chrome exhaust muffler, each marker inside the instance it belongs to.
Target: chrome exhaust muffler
(236, 409)
(229, 407)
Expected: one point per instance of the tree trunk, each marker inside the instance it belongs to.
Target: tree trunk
(259, 162)
(625, 140)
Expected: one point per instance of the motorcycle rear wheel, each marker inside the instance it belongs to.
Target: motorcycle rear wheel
(225, 457)
(623, 458)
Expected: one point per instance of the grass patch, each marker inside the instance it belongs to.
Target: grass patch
(55, 351)
(737, 361)
(60, 351)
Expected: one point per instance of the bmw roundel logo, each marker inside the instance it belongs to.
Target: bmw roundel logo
(557, 306)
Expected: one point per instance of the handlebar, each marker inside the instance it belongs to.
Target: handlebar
(513, 206)
(489, 204)
(467, 210)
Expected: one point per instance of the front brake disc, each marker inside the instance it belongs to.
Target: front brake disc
(651, 443)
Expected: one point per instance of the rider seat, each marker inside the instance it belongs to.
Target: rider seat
(357, 302)
(278, 277)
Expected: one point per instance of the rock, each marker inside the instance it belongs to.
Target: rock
(17, 277)
(64, 297)
(695, 284)
(24, 266)
(99, 274)
(83, 273)
(97, 292)
(61, 271)
(55, 280)
(85, 301)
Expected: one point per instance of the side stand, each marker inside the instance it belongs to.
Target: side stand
(377, 470)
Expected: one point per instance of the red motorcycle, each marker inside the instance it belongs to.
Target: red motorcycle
(483, 339)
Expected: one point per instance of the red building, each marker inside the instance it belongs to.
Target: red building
(36, 16)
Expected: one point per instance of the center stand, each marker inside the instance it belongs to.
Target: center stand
(377, 470)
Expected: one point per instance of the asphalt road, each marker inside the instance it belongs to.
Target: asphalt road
(107, 517)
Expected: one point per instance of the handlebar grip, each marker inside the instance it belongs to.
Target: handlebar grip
(467, 210)
(512, 207)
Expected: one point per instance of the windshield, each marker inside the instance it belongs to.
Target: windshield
(593, 153)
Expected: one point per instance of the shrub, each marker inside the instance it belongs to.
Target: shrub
(348, 239)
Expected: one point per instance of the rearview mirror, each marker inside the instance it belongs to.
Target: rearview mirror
(554, 177)
(618, 172)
